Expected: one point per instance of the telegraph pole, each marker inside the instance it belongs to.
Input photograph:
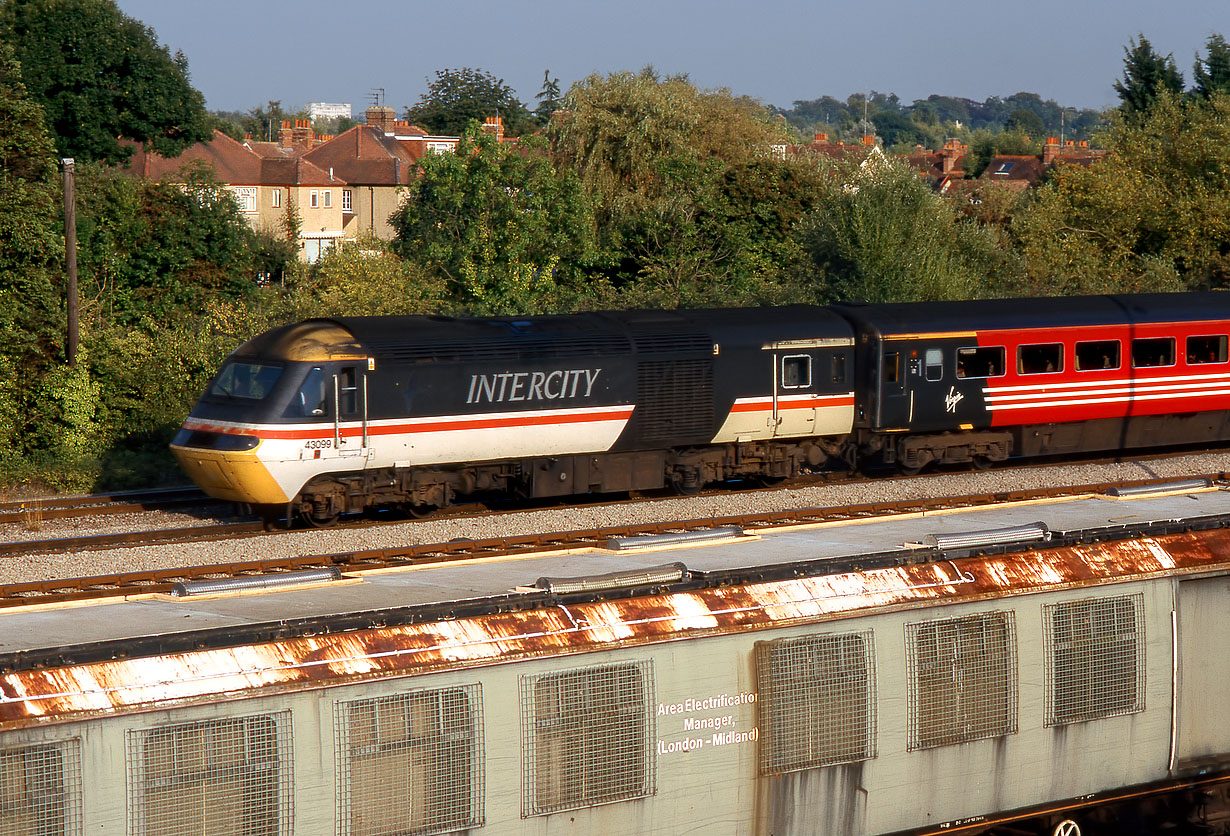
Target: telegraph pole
(70, 254)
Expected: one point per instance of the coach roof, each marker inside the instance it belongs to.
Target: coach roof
(1011, 314)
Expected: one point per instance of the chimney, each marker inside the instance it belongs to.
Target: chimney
(383, 118)
(286, 136)
(822, 139)
(302, 132)
(1084, 143)
(869, 140)
(1051, 150)
(494, 125)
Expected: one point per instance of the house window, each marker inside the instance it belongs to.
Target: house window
(346, 197)
(1097, 354)
(796, 372)
(276, 198)
(245, 196)
(40, 789)
(1095, 658)
(1040, 359)
(1152, 351)
(1210, 349)
(214, 776)
(314, 200)
(817, 701)
(587, 736)
(410, 763)
(962, 679)
(328, 196)
(980, 362)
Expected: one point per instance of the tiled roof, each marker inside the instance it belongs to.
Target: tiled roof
(237, 163)
(231, 161)
(365, 155)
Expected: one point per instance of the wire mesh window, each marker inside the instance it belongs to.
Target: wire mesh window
(962, 679)
(817, 701)
(212, 778)
(1095, 654)
(587, 737)
(40, 789)
(410, 763)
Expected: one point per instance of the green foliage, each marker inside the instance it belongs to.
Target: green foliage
(1026, 123)
(936, 118)
(149, 248)
(691, 204)
(1146, 76)
(100, 75)
(458, 97)
(548, 99)
(1154, 214)
(879, 234)
(30, 254)
(1212, 74)
(365, 279)
(499, 223)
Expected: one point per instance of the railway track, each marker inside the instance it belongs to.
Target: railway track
(32, 511)
(164, 580)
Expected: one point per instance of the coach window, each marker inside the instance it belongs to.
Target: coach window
(796, 371)
(1040, 359)
(1097, 354)
(312, 396)
(1211, 349)
(892, 368)
(980, 362)
(348, 391)
(934, 362)
(1152, 351)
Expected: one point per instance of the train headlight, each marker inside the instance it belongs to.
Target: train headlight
(203, 440)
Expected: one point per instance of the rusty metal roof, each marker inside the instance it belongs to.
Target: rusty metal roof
(75, 692)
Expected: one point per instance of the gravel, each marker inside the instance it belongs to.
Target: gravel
(296, 543)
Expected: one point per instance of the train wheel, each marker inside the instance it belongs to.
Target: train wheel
(1067, 827)
(982, 463)
(420, 511)
(318, 520)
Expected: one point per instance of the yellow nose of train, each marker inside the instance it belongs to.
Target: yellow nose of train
(233, 475)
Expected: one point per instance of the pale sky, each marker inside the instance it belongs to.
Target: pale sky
(242, 53)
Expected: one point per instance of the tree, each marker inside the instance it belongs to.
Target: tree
(1025, 122)
(30, 253)
(147, 248)
(1213, 73)
(458, 97)
(1146, 74)
(879, 234)
(548, 98)
(1153, 215)
(101, 76)
(499, 224)
(896, 129)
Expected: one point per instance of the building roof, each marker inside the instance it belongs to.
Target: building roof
(238, 164)
(366, 155)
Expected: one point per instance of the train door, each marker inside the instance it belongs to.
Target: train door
(351, 438)
(893, 408)
(1202, 713)
(794, 394)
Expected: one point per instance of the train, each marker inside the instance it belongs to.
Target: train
(334, 416)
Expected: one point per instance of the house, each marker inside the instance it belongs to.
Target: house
(266, 180)
(378, 160)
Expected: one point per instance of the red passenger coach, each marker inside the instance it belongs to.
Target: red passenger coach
(982, 381)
